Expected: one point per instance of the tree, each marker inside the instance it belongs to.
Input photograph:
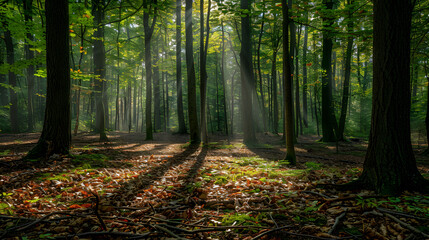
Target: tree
(29, 55)
(180, 115)
(10, 57)
(390, 165)
(99, 68)
(287, 87)
(329, 122)
(247, 79)
(190, 68)
(347, 70)
(148, 32)
(203, 69)
(56, 133)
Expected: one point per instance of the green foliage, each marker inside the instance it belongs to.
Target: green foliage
(90, 160)
(314, 165)
(238, 219)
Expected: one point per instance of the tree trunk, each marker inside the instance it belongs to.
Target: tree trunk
(13, 110)
(298, 121)
(346, 85)
(328, 117)
(203, 70)
(274, 94)
(224, 81)
(390, 166)
(99, 68)
(247, 78)
(304, 79)
(190, 67)
(148, 31)
(287, 85)
(29, 54)
(156, 89)
(56, 133)
(4, 100)
(180, 115)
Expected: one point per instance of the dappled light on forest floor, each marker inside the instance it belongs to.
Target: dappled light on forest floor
(129, 188)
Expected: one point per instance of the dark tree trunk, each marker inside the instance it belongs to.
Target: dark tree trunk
(298, 121)
(156, 89)
(328, 117)
(13, 110)
(99, 69)
(274, 93)
(247, 79)
(190, 67)
(29, 54)
(56, 133)
(390, 165)
(261, 31)
(203, 70)
(287, 85)
(224, 81)
(180, 115)
(4, 100)
(346, 85)
(148, 32)
(304, 79)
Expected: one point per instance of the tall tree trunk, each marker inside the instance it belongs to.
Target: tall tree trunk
(180, 115)
(390, 166)
(203, 70)
(292, 45)
(148, 32)
(247, 79)
(298, 121)
(287, 85)
(99, 68)
(4, 100)
(13, 110)
(328, 117)
(156, 88)
(29, 54)
(304, 79)
(261, 31)
(56, 133)
(274, 94)
(346, 85)
(224, 81)
(118, 54)
(190, 67)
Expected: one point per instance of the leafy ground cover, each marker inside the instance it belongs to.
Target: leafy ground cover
(131, 189)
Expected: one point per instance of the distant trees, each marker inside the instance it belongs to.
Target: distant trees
(56, 133)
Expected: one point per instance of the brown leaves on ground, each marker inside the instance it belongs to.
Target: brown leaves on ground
(170, 189)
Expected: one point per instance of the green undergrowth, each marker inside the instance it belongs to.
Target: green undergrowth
(90, 161)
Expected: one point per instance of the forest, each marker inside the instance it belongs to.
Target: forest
(214, 119)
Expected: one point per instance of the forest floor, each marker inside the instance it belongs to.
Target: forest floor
(129, 188)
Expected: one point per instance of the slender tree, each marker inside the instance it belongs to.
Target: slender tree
(203, 69)
(56, 133)
(148, 32)
(190, 68)
(10, 56)
(347, 70)
(99, 68)
(287, 88)
(180, 115)
(29, 54)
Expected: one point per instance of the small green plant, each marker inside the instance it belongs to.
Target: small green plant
(5, 152)
(243, 219)
(313, 165)
(89, 161)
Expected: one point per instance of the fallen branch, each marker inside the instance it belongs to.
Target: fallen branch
(337, 223)
(270, 231)
(167, 231)
(97, 202)
(318, 194)
(407, 226)
(115, 234)
(384, 210)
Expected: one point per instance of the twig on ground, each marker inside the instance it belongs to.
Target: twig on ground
(373, 212)
(318, 194)
(167, 231)
(270, 231)
(384, 210)
(337, 223)
(407, 226)
(97, 202)
(115, 234)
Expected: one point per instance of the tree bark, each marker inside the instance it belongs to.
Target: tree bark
(304, 79)
(328, 117)
(180, 115)
(346, 85)
(13, 110)
(287, 85)
(390, 166)
(56, 133)
(99, 69)
(247, 78)
(190, 67)
(29, 54)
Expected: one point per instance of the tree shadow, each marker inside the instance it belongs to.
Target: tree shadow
(130, 189)
(193, 172)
